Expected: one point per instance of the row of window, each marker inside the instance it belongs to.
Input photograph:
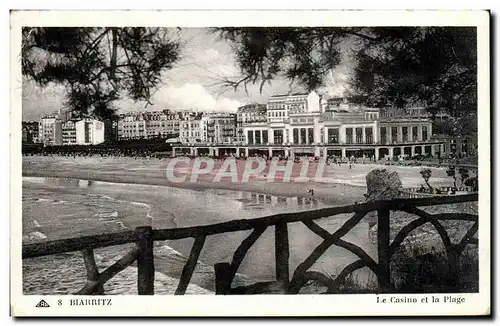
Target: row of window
(193, 126)
(300, 136)
(276, 106)
(249, 114)
(261, 136)
(352, 135)
(276, 114)
(155, 118)
(131, 132)
(224, 122)
(405, 136)
(148, 125)
(143, 137)
(254, 119)
(193, 134)
(142, 127)
(302, 120)
(404, 113)
(303, 136)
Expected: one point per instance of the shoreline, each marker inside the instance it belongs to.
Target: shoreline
(329, 193)
(196, 186)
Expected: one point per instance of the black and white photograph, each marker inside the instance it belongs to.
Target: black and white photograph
(253, 161)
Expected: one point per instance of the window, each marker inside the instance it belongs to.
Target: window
(394, 134)
(424, 133)
(310, 135)
(359, 135)
(405, 134)
(302, 135)
(257, 137)
(333, 136)
(250, 136)
(264, 137)
(295, 136)
(383, 135)
(369, 135)
(348, 135)
(278, 136)
(414, 133)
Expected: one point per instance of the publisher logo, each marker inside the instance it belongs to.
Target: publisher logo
(42, 304)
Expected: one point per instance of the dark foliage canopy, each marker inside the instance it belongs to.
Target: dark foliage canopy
(432, 66)
(98, 66)
(395, 66)
(458, 125)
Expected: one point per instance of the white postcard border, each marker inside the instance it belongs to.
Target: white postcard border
(262, 305)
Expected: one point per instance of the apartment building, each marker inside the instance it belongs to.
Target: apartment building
(146, 125)
(193, 128)
(50, 129)
(250, 113)
(69, 132)
(221, 127)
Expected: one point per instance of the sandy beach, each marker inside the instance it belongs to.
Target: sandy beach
(343, 186)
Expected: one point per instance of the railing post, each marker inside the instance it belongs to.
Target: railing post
(145, 261)
(383, 248)
(92, 271)
(222, 277)
(282, 253)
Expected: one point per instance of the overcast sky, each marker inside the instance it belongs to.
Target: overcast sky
(191, 84)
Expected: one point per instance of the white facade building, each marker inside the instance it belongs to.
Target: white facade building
(89, 132)
(304, 124)
(156, 124)
(192, 128)
(294, 115)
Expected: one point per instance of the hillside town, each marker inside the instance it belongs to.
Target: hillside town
(294, 124)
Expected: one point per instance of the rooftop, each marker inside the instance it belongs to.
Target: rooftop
(252, 107)
(291, 94)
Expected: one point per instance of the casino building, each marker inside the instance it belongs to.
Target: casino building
(304, 124)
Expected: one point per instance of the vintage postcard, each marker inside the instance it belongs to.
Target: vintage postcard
(250, 163)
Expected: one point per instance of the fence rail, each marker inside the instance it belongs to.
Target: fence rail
(144, 238)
